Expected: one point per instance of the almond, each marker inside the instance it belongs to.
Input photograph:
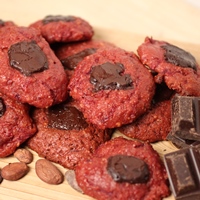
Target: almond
(48, 172)
(14, 171)
(24, 155)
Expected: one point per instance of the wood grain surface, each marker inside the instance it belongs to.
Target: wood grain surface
(124, 23)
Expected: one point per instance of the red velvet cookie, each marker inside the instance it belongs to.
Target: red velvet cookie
(123, 169)
(15, 125)
(112, 87)
(155, 124)
(30, 71)
(173, 65)
(58, 28)
(64, 136)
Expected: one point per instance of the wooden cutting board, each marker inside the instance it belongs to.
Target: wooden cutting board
(31, 187)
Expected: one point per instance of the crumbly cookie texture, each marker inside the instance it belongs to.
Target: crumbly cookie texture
(30, 71)
(173, 65)
(64, 136)
(112, 87)
(99, 178)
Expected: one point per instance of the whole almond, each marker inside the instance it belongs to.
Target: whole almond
(48, 172)
(14, 171)
(24, 155)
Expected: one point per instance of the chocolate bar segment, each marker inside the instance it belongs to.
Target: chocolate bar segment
(183, 169)
(180, 142)
(185, 117)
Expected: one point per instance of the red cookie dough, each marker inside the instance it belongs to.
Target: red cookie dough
(22, 50)
(123, 92)
(155, 124)
(15, 125)
(58, 28)
(67, 140)
(95, 180)
(176, 67)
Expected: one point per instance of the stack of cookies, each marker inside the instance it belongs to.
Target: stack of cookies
(63, 93)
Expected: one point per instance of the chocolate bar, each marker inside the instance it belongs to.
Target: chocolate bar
(183, 169)
(185, 117)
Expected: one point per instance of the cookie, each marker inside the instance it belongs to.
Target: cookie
(123, 169)
(58, 28)
(64, 136)
(172, 65)
(30, 71)
(70, 54)
(155, 124)
(112, 87)
(15, 125)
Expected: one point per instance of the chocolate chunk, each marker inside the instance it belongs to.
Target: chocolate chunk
(183, 168)
(185, 117)
(130, 169)
(180, 142)
(65, 117)
(56, 18)
(109, 76)
(72, 61)
(2, 107)
(27, 57)
(179, 57)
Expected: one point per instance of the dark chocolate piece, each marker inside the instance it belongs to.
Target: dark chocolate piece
(27, 57)
(72, 61)
(65, 117)
(180, 142)
(129, 169)
(183, 168)
(2, 107)
(179, 57)
(56, 18)
(185, 117)
(109, 76)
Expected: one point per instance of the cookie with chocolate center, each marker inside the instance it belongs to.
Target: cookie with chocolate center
(30, 71)
(64, 136)
(172, 65)
(59, 28)
(123, 169)
(112, 87)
